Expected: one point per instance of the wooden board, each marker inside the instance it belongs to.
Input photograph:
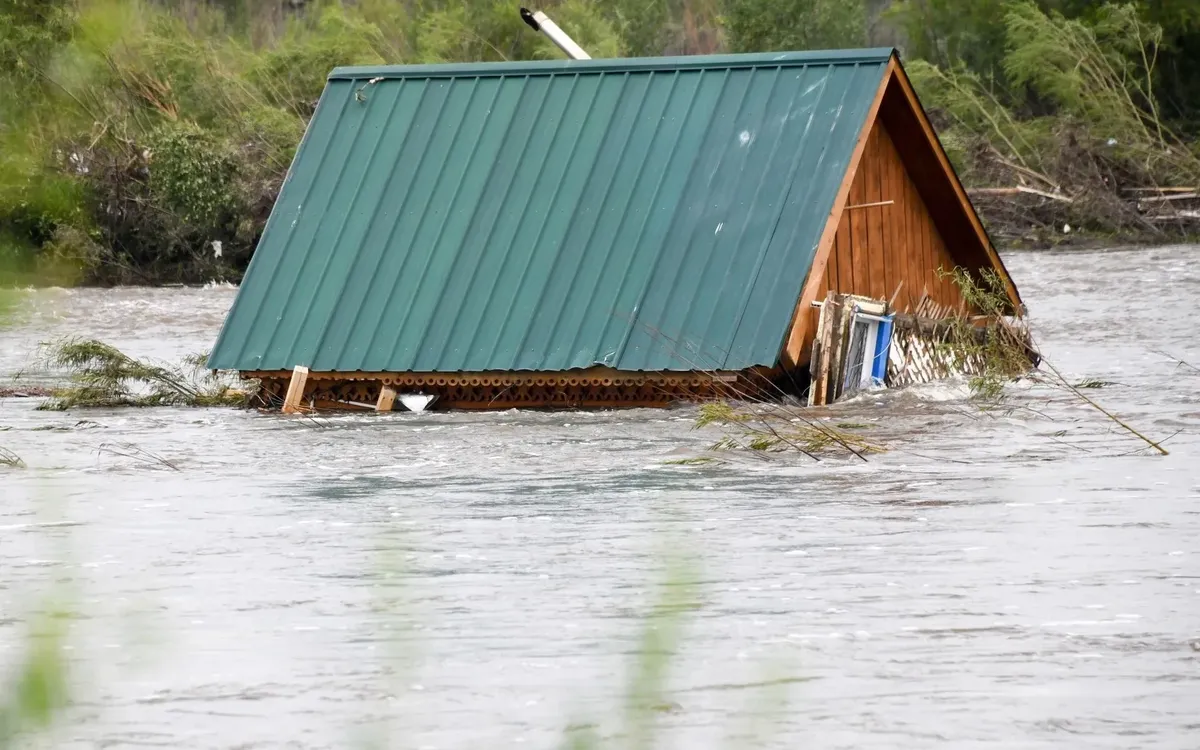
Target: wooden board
(295, 391)
(387, 398)
(876, 250)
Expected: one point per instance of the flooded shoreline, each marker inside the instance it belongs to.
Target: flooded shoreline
(1006, 579)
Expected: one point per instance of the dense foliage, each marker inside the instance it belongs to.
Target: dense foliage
(1070, 106)
(145, 141)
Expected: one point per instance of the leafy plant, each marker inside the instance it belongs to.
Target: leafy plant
(1101, 72)
(29, 32)
(191, 173)
(292, 75)
(974, 108)
(1071, 115)
(998, 349)
(37, 689)
(1007, 352)
(102, 375)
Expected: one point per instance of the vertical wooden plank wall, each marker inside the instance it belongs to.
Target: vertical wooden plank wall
(878, 248)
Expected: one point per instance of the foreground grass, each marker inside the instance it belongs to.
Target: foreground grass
(37, 691)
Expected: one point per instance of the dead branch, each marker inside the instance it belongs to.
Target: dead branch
(1018, 190)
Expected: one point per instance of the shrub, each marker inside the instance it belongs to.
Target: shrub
(191, 174)
(72, 254)
(293, 74)
(765, 25)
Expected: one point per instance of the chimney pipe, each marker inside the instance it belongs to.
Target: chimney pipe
(540, 22)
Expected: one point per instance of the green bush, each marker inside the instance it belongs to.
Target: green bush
(766, 25)
(30, 30)
(191, 174)
(950, 33)
(293, 74)
(71, 254)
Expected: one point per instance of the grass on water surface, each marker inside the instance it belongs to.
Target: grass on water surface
(102, 375)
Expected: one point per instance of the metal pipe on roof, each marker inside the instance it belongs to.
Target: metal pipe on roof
(539, 21)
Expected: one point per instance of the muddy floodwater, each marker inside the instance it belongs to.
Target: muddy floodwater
(1024, 579)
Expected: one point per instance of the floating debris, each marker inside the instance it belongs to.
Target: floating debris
(101, 375)
(25, 392)
(863, 343)
(779, 428)
(10, 460)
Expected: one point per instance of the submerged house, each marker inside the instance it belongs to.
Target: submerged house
(593, 233)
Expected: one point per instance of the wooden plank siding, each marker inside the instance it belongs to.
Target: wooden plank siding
(945, 198)
(877, 249)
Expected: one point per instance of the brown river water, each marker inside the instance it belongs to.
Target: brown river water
(1017, 580)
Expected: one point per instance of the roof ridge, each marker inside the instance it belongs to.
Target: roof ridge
(616, 64)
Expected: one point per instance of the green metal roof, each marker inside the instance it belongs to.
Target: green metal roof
(647, 214)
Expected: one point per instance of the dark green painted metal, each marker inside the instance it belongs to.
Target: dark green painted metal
(639, 214)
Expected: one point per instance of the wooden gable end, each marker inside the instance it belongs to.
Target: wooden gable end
(901, 217)
(887, 243)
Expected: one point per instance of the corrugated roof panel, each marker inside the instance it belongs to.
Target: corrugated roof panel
(817, 172)
(641, 214)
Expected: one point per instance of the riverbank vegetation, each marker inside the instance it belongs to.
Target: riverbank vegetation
(144, 141)
(1084, 119)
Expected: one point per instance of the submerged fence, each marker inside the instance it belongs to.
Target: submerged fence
(861, 342)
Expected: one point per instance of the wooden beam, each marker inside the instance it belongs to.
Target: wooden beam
(295, 391)
(1166, 198)
(798, 340)
(387, 398)
(1022, 189)
(876, 204)
(819, 366)
(352, 390)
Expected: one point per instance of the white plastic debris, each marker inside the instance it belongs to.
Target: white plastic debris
(1066, 228)
(217, 248)
(416, 402)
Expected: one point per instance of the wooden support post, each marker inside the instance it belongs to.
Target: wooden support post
(387, 397)
(295, 391)
(819, 386)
